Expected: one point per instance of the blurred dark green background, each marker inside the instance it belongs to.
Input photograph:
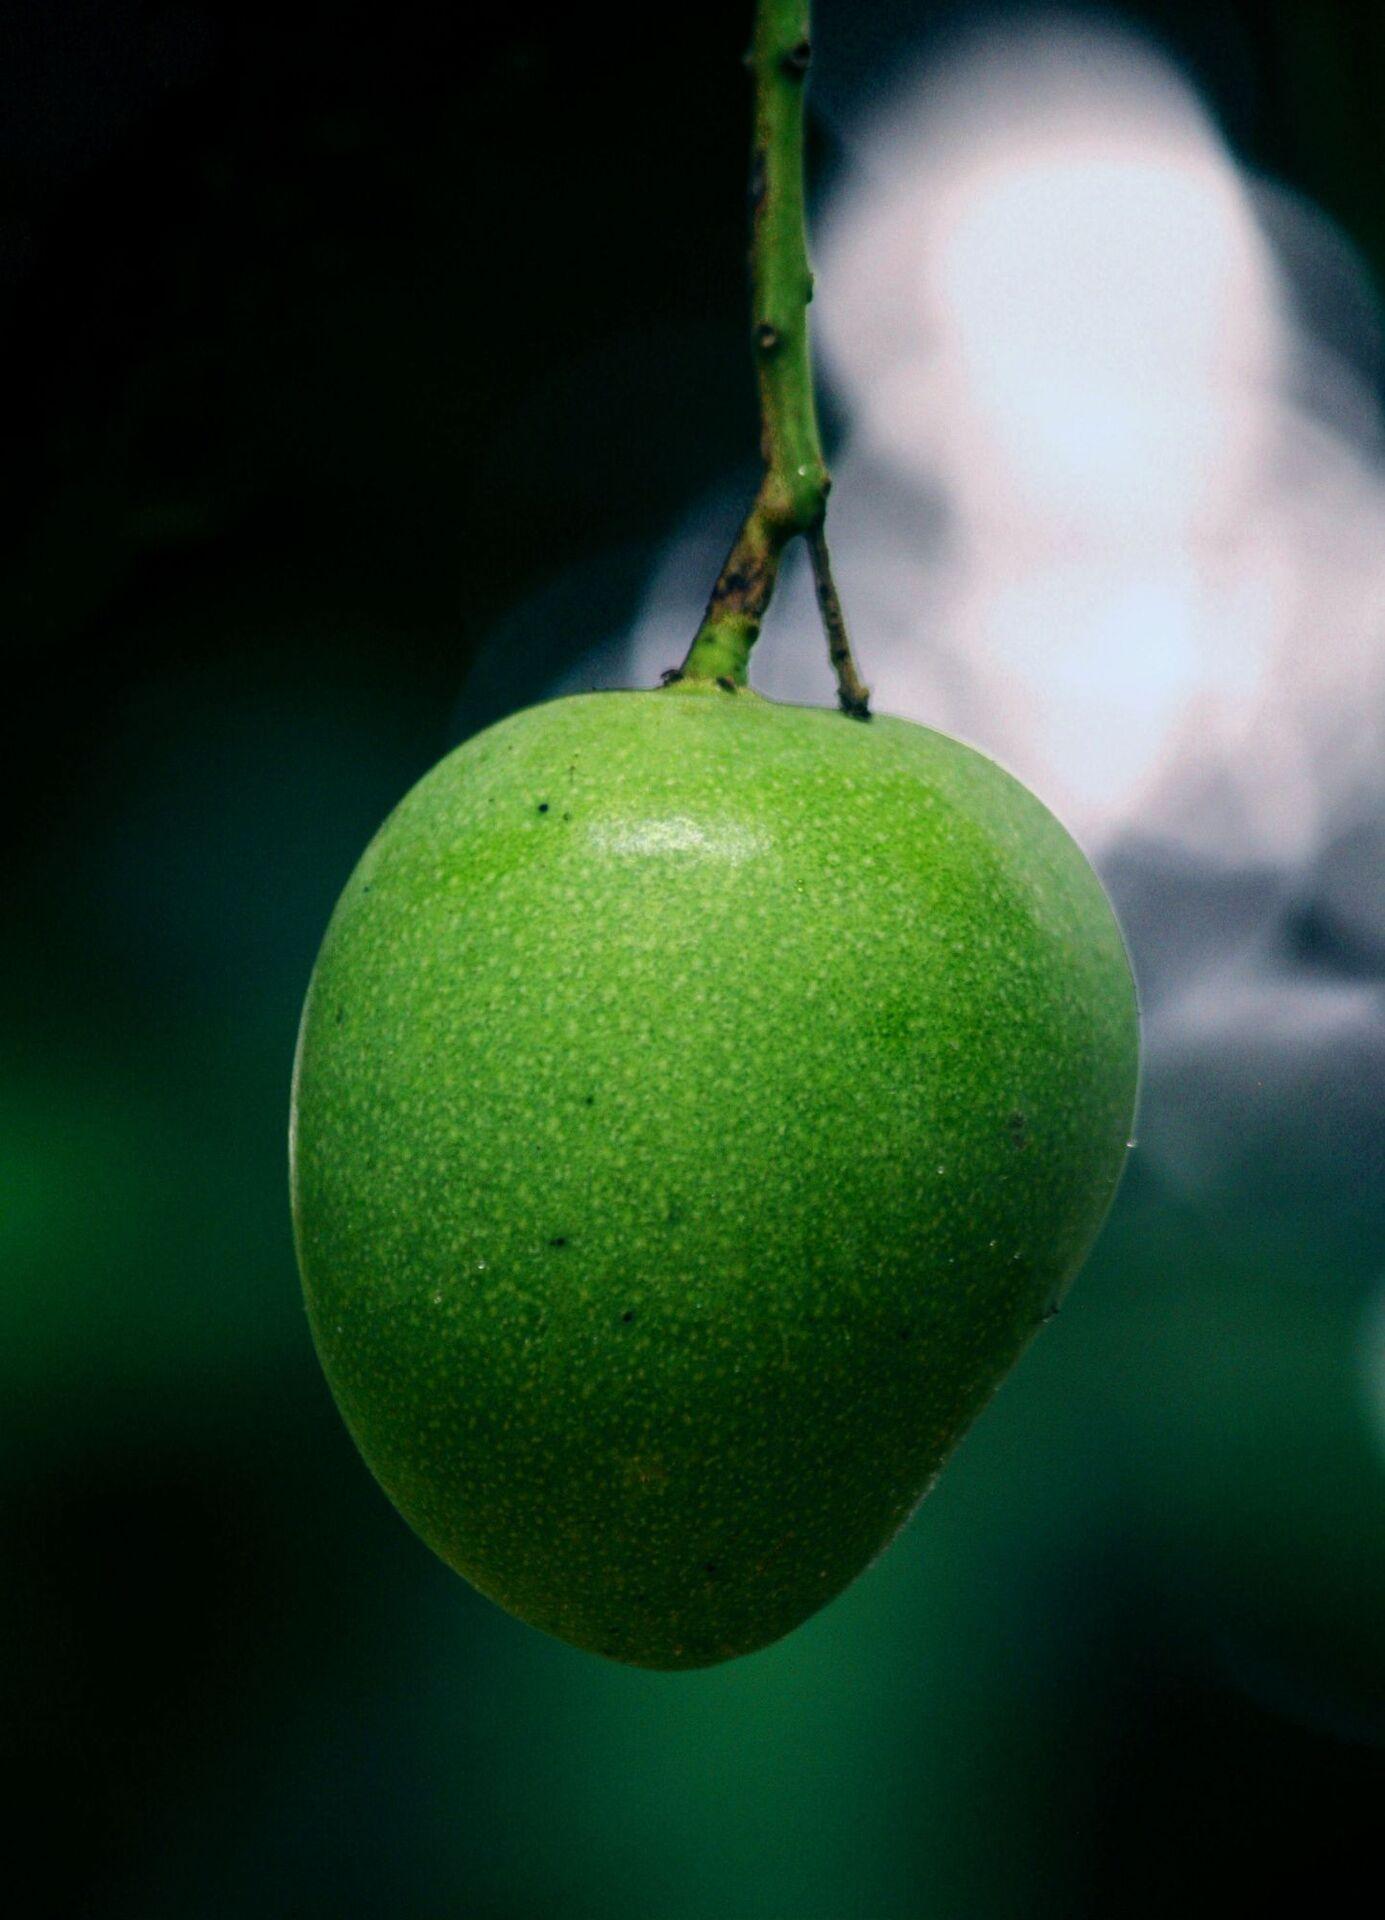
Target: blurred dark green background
(331, 335)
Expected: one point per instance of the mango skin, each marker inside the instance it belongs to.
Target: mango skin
(699, 1104)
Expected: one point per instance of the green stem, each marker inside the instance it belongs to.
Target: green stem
(792, 495)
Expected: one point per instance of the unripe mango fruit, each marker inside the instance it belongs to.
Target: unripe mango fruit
(699, 1104)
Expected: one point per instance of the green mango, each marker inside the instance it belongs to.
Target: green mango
(699, 1104)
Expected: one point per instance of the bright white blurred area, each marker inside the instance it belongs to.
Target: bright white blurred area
(1110, 505)
(1049, 300)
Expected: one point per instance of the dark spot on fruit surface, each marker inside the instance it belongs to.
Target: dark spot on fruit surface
(906, 1333)
(710, 1566)
(559, 1240)
(589, 1100)
(628, 1315)
(543, 806)
(341, 1015)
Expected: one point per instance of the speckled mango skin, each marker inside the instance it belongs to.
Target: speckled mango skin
(699, 1104)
